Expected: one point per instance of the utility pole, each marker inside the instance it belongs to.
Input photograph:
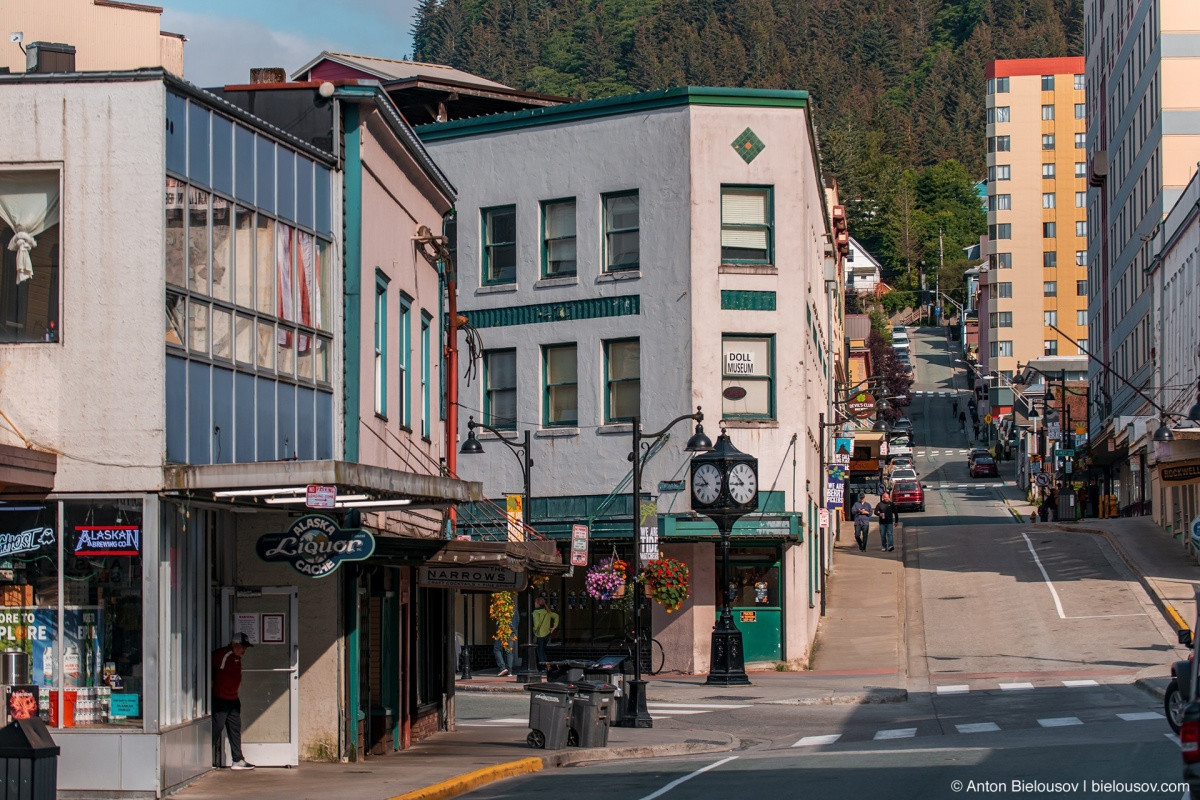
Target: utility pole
(937, 280)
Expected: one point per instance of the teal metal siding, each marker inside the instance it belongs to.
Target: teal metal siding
(594, 308)
(738, 300)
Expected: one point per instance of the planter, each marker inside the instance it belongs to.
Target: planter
(649, 590)
(619, 593)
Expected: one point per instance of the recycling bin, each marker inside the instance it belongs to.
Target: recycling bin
(611, 670)
(549, 715)
(28, 761)
(565, 671)
(590, 706)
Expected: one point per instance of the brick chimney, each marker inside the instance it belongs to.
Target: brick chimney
(267, 75)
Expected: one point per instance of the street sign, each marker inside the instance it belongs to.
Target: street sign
(1042, 479)
(824, 517)
(1053, 430)
(579, 545)
(1060, 453)
(317, 496)
(987, 419)
(671, 487)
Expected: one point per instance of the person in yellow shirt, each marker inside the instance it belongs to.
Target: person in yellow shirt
(545, 623)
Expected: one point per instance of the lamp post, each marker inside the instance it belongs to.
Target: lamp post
(529, 671)
(638, 716)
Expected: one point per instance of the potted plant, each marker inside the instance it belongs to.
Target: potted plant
(667, 582)
(606, 579)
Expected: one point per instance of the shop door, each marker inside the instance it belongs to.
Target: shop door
(270, 671)
(757, 609)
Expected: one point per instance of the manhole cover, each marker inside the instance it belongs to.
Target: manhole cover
(734, 697)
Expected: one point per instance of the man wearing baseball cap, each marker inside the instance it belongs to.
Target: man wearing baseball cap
(226, 707)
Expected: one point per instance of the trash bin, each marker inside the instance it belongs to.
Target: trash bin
(549, 715)
(28, 761)
(611, 670)
(590, 706)
(565, 671)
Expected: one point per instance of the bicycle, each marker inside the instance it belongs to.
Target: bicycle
(654, 660)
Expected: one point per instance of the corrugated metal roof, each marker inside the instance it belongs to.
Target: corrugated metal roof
(858, 326)
(392, 69)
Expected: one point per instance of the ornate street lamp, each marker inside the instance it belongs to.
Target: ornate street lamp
(529, 671)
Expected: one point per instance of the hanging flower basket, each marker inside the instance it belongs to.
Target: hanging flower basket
(606, 579)
(500, 611)
(667, 582)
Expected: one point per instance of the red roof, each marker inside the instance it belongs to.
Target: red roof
(1068, 65)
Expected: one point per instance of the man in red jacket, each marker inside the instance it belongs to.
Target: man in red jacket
(226, 707)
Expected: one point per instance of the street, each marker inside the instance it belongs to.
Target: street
(1022, 644)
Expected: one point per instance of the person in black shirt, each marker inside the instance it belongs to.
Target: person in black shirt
(885, 509)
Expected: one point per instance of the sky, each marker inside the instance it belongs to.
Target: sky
(228, 37)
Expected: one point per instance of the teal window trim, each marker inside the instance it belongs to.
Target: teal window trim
(405, 341)
(768, 227)
(489, 417)
(426, 325)
(548, 388)
(610, 382)
(486, 256)
(611, 231)
(545, 240)
(381, 343)
(770, 378)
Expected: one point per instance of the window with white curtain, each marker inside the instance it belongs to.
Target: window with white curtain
(746, 224)
(29, 255)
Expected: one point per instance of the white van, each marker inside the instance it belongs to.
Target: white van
(900, 341)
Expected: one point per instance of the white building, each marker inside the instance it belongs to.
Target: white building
(643, 256)
(862, 269)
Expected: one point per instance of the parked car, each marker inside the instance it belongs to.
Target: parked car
(905, 423)
(984, 466)
(901, 474)
(901, 462)
(900, 446)
(900, 329)
(975, 453)
(908, 495)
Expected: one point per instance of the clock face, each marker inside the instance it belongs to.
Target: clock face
(743, 484)
(706, 483)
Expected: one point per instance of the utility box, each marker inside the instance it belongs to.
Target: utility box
(28, 761)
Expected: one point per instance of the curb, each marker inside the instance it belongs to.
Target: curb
(462, 784)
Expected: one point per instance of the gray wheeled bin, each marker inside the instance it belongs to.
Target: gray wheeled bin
(28, 761)
(566, 671)
(589, 714)
(611, 670)
(549, 715)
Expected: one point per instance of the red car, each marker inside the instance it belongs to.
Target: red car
(984, 465)
(908, 495)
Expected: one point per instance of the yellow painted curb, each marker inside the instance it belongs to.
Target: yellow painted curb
(1176, 619)
(473, 780)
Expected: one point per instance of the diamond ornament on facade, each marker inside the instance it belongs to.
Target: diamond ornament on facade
(748, 146)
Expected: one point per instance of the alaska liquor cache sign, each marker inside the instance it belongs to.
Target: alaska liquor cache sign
(315, 546)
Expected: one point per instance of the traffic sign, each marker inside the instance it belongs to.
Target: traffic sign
(1042, 479)
(824, 517)
(318, 496)
(579, 545)
(987, 419)
(1068, 453)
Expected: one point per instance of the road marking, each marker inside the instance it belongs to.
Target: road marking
(687, 777)
(1080, 683)
(896, 733)
(1059, 722)
(1054, 593)
(1138, 716)
(958, 688)
(809, 741)
(491, 723)
(710, 706)
(978, 727)
(1015, 687)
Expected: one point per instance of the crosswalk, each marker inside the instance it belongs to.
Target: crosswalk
(929, 393)
(657, 710)
(1009, 686)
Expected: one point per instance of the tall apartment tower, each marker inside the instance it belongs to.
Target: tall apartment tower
(1037, 229)
(1143, 142)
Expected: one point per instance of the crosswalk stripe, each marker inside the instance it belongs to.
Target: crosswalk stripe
(665, 712)
(896, 733)
(1138, 716)
(958, 688)
(1059, 722)
(710, 706)
(490, 723)
(1008, 687)
(808, 741)
(978, 727)
(1080, 683)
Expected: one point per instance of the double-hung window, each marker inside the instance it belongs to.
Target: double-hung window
(1005, 349)
(1080, 169)
(29, 255)
(1047, 83)
(500, 245)
(1081, 318)
(623, 380)
(1004, 319)
(1080, 110)
(500, 389)
(1047, 141)
(1049, 318)
(1049, 230)
(1004, 289)
(1002, 260)
(381, 284)
(405, 342)
(748, 376)
(560, 371)
(1081, 288)
(746, 224)
(558, 238)
(1050, 288)
(426, 369)
(1048, 170)
(622, 249)
(1080, 141)
(1080, 199)
(1000, 202)
(1048, 112)
(1050, 347)
(1050, 258)
(1003, 144)
(1048, 200)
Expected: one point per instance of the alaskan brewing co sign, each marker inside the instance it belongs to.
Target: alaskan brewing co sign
(315, 546)
(860, 404)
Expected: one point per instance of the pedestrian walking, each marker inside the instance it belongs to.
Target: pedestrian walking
(226, 706)
(888, 516)
(545, 623)
(862, 521)
(975, 429)
(954, 407)
(962, 420)
(505, 653)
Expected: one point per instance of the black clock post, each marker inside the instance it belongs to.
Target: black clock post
(724, 489)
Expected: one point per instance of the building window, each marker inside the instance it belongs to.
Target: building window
(1050, 289)
(1000, 231)
(1047, 141)
(623, 380)
(1080, 199)
(558, 238)
(1004, 319)
(1049, 230)
(1000, 202)
(1004, 349)
(746, 223)
(1081, 345)
(1081, 258)
(1049, 258)
(500, 245)
(561, 382)
(621, 232)
(1004, 290)
(1047, 112)
(30, 246)
(1002, 260)
(748, 376)
(1003, 144)
(1003, 172)
(1080, 110)
(1081, 318)
(1048, 200)
(381, 284)
(500, 389)
(1081, 141)
(1002, 114)
(404, 340)
(991, 86)
(1050, 347)
(1080, 169)
(1049, 318)
(1078, 82)
(1048, 170)
(1047, 83)
(1001, 85)
(1081, 227)
(1081, 288)
(426, 369)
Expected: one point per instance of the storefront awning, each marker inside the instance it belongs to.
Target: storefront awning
(281, 485)
(23, 470)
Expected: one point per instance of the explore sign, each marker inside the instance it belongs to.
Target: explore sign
(315, 546)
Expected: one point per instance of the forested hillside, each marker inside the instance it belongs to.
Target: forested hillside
(897, 84)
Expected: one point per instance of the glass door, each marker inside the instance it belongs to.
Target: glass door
(270, 671)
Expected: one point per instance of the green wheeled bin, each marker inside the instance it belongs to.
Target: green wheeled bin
(549, 715)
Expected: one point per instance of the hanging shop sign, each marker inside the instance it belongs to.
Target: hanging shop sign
(842, 449)
(315, 546)
(480, 577)
(108, 540)
(1184, 472)
(860, 404)
(835, 486)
